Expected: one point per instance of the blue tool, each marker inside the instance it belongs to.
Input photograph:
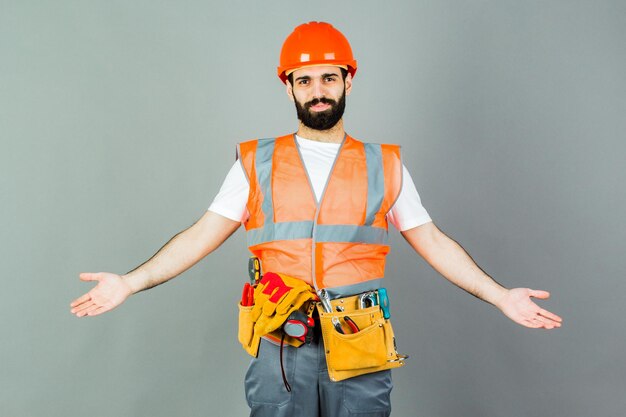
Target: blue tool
(383, 298)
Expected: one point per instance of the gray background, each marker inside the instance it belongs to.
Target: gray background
(118, 122)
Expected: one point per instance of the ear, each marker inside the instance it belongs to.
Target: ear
(289, 90)
(348, 83)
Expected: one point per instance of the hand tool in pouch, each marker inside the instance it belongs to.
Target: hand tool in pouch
(300, 326)
(325, 300)
(246, 301)
(353, 327)
(254, 270)
(384, 302)
(368, 299)
(328, 308)
(337, 325)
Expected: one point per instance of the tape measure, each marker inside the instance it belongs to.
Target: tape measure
(299, 326)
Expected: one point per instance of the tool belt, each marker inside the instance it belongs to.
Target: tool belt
(358, 339)
(366, 345)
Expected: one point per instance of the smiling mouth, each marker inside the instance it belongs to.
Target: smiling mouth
(320, 107)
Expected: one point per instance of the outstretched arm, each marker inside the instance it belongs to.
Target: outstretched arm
(449, 259)
(179, 254)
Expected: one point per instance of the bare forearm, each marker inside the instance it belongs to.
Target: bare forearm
(449, 259)
(181, 252)
(175, 257)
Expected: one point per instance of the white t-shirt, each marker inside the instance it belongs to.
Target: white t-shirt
(318, 157)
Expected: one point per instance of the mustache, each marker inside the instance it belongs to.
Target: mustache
(323, 100)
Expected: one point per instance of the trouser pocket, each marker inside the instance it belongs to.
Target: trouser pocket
(263, 381)
(368, 395)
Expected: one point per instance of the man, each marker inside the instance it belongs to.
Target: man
(316, 206)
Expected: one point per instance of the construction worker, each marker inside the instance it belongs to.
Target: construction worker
(316, 205)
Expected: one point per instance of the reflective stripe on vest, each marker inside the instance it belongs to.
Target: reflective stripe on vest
(339, 243)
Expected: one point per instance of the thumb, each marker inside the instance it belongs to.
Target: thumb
(89, 276)
(540, 294)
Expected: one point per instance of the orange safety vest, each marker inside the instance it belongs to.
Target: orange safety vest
(341, 242)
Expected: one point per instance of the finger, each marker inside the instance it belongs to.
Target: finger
(80, 300)
(89, 276)
(551, 316)
(549, 326)
(548, 323)
(530, 314)
(540, 294)
(91, 308)
(80, 309)
(530, 323)
(82, 306)
(97, 311)
(81, 314)
(77, 308)
(552, 323)
(544, 322)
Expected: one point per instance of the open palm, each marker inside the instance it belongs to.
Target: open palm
(110, 292)
(518, 306)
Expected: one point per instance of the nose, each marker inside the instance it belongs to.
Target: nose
(318, 89)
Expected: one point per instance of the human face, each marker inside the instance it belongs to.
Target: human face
(319, 95)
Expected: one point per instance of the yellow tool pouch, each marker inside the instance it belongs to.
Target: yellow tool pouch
(371, 349)
(250, 339)
(276, 296)
(245, 334)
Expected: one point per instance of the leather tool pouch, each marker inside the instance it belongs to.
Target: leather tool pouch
(265, 318)
(371, 349)
(245, 333)
(250, 341)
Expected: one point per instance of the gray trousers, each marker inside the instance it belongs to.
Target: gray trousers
(312, 394)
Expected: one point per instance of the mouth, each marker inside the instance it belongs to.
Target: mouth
(320, 107)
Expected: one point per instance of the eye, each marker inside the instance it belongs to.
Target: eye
(303, 82)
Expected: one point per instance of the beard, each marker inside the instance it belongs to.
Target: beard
(322, 120)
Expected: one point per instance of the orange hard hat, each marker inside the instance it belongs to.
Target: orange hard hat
(315, 43)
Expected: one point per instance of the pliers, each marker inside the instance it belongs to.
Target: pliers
(337, 325)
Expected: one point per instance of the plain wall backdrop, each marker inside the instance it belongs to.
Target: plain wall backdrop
(118, 122)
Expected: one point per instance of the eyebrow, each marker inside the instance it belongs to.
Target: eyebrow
(308, 77)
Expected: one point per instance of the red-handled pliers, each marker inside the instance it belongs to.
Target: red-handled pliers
(353, 327)
(247, 295)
